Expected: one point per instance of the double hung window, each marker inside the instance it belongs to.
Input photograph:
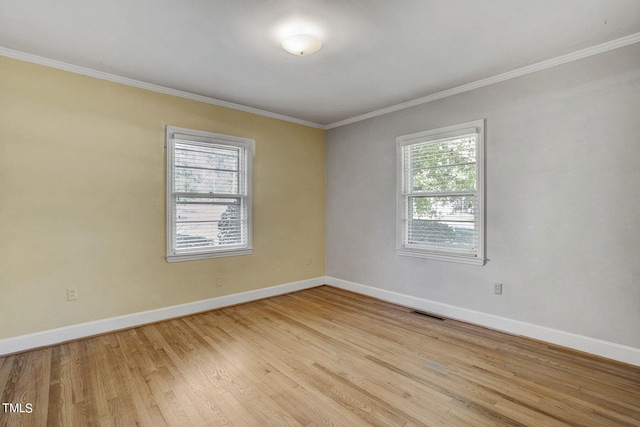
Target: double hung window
(208, 194)
(441, 193)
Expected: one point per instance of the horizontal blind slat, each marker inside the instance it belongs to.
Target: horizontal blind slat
(209, 210)
(439, 182)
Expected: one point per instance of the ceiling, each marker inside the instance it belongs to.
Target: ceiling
(375, 54)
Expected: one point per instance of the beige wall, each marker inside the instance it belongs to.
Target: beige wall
(82, 200)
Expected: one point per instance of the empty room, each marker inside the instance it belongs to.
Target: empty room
(312, 212)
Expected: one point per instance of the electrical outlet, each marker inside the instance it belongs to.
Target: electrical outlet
(497, 288)
(218, 281)
(308, 260)
(72, 294)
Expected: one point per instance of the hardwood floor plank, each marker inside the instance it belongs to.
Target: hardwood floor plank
(254, 369)
(293, 360)
(14, 369)
(35, 383)
(315, 350)
(6, 365)
(318, 357)
(407, 379)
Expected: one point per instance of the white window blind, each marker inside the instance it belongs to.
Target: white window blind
(440, 194)
(208, 194)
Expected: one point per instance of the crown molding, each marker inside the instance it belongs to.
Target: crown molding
(539, 66)
(559, 60)
(23, 56)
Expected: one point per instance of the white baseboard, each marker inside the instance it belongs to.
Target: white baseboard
(594, 346)
(566, 339)
(83, 330)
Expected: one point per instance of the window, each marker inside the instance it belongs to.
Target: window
(441, 193)
(208, 194)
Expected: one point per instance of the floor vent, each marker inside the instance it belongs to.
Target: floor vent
(424, 313)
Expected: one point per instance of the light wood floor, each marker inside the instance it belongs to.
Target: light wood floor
(317, 357)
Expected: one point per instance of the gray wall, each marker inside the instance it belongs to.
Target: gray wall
(563, 200)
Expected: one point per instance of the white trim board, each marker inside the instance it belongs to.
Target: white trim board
(539, 66)
(97, 327)
(35, 59)
(559, 60)
(566, 339)
(583, 343)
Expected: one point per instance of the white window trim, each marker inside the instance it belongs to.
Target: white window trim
(176, 133)
(476, 126)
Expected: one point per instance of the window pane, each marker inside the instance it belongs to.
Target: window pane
(201, 169)
(206, 157)
(189, 180)
(208, 223)
(440, 193)
(442, 221)
(443, 165)
(208, 194)
(449, 178)
(443, 153)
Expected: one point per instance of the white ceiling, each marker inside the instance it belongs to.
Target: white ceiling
(376, 53)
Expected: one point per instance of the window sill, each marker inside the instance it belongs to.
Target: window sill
(205, 255)
(463, 259)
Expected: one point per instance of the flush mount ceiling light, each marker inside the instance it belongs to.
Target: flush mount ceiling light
(301, 44)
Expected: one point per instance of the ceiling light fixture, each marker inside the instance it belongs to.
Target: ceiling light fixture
(301, 44)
